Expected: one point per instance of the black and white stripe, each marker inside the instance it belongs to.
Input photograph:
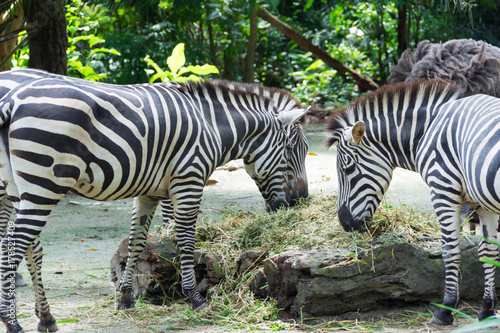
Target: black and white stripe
(148, 142)
(453, 143)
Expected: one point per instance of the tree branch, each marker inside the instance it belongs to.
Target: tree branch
(364, 83)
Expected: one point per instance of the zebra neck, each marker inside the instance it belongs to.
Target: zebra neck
(237, 132)
(398, 134)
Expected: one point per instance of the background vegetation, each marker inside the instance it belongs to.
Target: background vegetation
(109, 39)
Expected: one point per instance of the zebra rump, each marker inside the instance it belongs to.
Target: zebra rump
(474, 66)
(150, 142)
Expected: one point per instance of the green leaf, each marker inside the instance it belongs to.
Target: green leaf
(153, 64)
(201, 70)
(103, 50)
(177, 59)
(308, 5)
(477, 326)
(491, 241)
(62, 321)
(489, 261)
(315, 65)
(158, 76)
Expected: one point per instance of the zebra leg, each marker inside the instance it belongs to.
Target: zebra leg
(185, 224)
(6, 209)
(22, 234)
(34, 256)
(488, 229)
(144, 208)
(167, 211)
(449, 218)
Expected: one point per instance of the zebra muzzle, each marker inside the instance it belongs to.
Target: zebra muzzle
(349, 223)
(274, 205)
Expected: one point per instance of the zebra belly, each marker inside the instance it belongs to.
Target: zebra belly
(483, 179)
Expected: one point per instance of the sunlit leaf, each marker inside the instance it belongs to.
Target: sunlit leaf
(201, 70)
(177, 59)
(103, 50)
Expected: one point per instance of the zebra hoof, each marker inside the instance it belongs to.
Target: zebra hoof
(47, 328)
(197, 301)
(442, 317)
(126, 305)
(483, 314)
(16, 328)
(199, 305)
(126, 300)
(47, 324)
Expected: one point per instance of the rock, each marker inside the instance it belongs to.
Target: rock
(157, 274)
(334, 281)
(250, 260)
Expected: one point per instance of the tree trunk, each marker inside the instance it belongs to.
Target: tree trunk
(213, 56)
(403, 38)
(48, 42)
(364, 83)
(252, 43)
(7, 47)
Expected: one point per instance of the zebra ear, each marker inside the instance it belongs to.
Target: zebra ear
(354, 134)
(291, 117)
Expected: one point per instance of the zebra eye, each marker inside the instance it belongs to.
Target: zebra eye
(348, 165)
(350, 168)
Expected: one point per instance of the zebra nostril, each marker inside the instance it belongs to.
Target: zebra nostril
(273, 206)
(299, 191)
(348, 222)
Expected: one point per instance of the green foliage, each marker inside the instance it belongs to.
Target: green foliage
(122, 41)
(21, 57)
(86, 52)
(176, 65)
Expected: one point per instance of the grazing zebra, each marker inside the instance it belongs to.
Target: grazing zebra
(148, 142)
(452, 143)
(295, 167)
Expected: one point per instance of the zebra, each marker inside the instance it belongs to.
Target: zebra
(453, 144)
(295, 168)
(148, 142)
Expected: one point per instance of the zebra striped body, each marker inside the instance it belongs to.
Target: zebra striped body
(13, 79)
(148, 142)
(453, 144)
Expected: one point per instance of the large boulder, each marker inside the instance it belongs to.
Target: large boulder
(334, 281)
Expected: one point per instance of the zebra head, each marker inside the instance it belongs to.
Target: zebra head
(296, 152)
(363, 177)
(277, 164)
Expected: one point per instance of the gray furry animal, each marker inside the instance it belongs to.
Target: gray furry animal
(473, 65)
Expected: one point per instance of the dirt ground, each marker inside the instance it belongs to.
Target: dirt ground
(82, 235)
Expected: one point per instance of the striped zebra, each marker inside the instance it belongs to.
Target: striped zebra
(149, 142)
(453, 144)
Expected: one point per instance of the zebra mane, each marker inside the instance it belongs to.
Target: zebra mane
(282, 99)
(357, 110)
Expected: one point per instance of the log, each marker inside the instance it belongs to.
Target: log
(317, 282)
(157, 274)
(328, 282)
